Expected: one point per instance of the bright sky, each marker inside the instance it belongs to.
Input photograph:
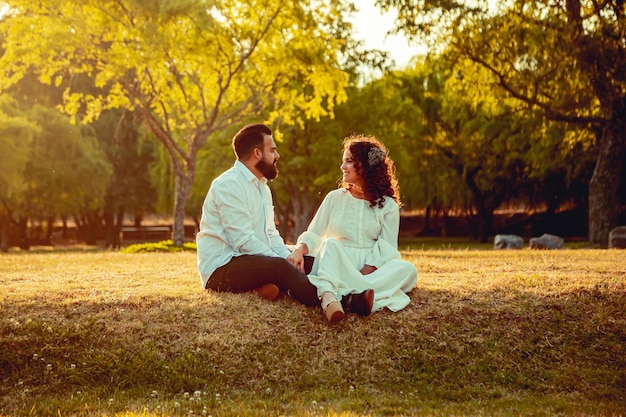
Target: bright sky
(372, 26)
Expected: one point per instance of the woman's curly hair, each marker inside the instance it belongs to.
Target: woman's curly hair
(372, 163)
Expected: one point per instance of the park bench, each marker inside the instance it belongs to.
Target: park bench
(146, 233)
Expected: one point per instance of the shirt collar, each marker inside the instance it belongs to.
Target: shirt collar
(240, 167)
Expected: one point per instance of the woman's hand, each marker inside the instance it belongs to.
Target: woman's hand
(367, 269)
(296, 258)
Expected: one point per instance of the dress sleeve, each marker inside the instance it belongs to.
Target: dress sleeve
(386, 246)
(316, 231)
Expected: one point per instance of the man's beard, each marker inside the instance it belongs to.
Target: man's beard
(268, 170)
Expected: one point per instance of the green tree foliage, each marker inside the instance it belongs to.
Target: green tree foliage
(66, 174)
(496, 148)
(16, 135)
(189, 68)
(53, 168)
(132, 155)
(566, 61)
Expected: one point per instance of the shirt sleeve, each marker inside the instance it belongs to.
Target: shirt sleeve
(236, 217)
(277, 242)
(386, 246)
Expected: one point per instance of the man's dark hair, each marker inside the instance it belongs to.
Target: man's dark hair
(249, 137)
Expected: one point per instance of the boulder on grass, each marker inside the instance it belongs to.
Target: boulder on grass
(617, 238)
(508, 242)
(546, 241)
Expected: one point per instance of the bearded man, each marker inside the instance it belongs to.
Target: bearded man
(239, 247)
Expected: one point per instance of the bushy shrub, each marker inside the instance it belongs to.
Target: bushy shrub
(162, 246)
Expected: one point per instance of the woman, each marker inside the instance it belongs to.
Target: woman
(354, 237)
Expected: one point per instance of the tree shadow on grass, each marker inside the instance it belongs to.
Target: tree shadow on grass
(444, 347)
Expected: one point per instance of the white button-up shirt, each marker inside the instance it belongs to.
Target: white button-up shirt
(237, 219)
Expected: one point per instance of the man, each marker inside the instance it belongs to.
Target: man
(239, 248)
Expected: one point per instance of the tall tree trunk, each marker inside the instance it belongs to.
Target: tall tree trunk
(49, 230)
(303, 211)
(64, 234)
(112, 227)
(22, 233)
(119, 221)
(109, 228)
(427, 229)
(605, 182)
(183, 183)
(4, 232)
(597, 62)
(93, 227)
(485, 206)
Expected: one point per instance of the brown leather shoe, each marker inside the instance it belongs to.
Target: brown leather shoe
(333, 311)
(360, 304)
(268, 292)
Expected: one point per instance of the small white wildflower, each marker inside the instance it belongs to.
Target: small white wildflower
(351, 388)
(154, 393)
(176, 404)
(111, 400)
(186, 395)
(35, 356)
(217, 395)
(49, 367)
(197, 393)
(314, 403)
(221, 372)
(79, 392)
(73, 366)
(268, 390)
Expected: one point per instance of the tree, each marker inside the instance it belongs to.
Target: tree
(132, 155)
(565, 60)
(189, 68)
(496, 147)
(66, 174)
(16, 135)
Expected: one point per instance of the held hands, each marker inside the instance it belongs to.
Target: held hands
(296, 258)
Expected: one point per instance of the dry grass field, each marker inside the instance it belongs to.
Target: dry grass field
(488, 333)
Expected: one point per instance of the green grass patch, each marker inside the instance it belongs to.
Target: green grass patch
(162, 246)
(487, 333)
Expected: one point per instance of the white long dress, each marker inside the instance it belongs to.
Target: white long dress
(346, 234)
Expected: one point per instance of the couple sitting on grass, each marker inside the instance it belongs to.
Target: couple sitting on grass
(352, 240)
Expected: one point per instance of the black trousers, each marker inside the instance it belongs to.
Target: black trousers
(248, 272)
